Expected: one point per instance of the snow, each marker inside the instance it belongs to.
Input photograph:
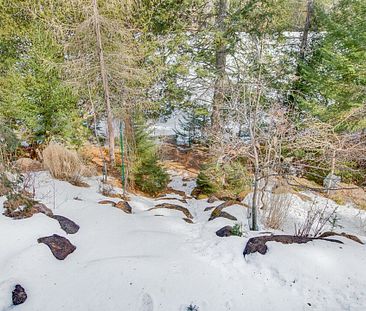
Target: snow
(143, 262)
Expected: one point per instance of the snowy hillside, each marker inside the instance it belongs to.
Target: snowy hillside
(154, 260)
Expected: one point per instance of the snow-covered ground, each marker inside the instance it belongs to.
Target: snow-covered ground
(145, 262)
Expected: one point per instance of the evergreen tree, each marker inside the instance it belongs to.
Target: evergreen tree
(333, 78)
(33, 99)
(147, 174)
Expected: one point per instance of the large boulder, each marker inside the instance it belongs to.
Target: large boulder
(19, 295)
(59, 246)
(66, 224)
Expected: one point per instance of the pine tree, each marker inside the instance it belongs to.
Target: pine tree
(147, 174)
(333, 78)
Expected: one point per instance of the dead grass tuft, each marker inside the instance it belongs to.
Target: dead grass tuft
(63, 164)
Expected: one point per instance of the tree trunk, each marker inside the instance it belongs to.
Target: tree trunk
(254, 224)
(305, 34)
(103, 72)
(332, 168)
(220, 64)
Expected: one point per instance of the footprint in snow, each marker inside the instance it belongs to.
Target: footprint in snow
(147, 303)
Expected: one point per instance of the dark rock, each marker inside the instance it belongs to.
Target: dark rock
(209, 208)
(212, 199)
(59, 246)
(218, 211)
(346, 235)
(182, 209)
(258, 244)
(227, 216)
(66, 224)
(169, 199)
(19, 295)
(224, 231)
(124, 206)
(187, 220)
(170, 190)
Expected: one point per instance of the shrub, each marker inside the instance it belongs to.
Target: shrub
(231, 178)
(8, 143)
(150, 177)
(237, 230)
(192, 307)
(62, 163)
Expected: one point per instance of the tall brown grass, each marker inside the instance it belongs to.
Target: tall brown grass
(63, 164)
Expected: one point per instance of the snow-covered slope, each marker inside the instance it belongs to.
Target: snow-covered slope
(144, 262)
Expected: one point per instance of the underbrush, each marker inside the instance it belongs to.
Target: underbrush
(64, 164)
(227, 180)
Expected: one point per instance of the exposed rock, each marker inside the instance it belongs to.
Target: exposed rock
(224, 231)
(19, 295)
(182, 209)
(226, 215)
(124, 206)
(66, 224)
(20, 206)
(209, 208)
(258, 244)
(28, 165)
(196, 192)
(59, 246)
(170, 190)
(346, 235)
(218, 211)
(104, 202)
(211, 199)
(169, 199)
(187, 220)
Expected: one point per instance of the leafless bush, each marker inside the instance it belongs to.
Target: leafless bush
(316, 220)
(275, 210)
(28, 183)
(106, 189)
(62, 163)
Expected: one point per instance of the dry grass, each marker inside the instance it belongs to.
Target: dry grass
(275, 210)
(63, 164)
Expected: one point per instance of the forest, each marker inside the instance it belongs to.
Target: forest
(189, 155)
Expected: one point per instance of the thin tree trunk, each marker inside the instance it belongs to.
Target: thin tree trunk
(332, 169)
(220, 64)
(103, 72)
(305, 34)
